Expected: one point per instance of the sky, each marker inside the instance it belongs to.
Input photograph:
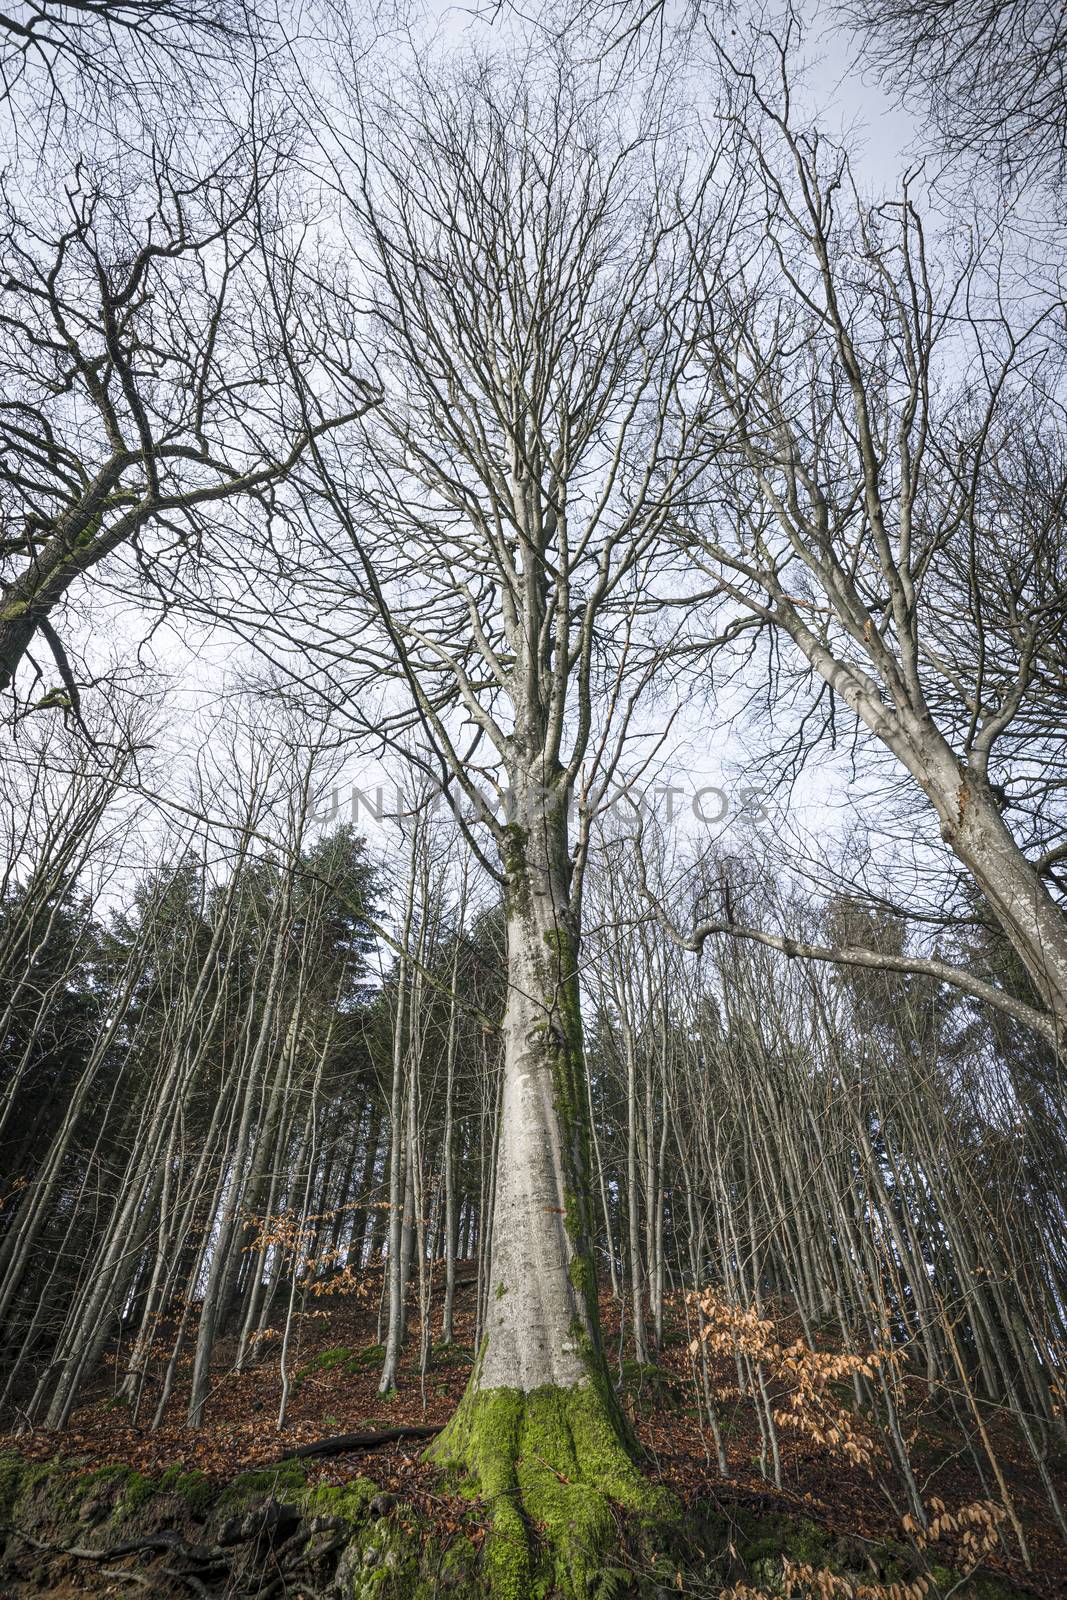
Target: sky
(701, 781)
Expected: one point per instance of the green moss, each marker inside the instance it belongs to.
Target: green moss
(20, 1479)
(286, 1481)
(384, 1563)
(96, 1476)
(325, 1361)
(348, 1501)
(513, 859)
(794, 1537)
(549, 1465)
(11, 1467)
(194, 1487)
(657, 1385)
(196, 1490)
(567, 1060)
(85, 538)
(451, 1355)
(581, 1274)
(138, 1490)
(763, 1543)
(131, 1489)
(372, 1356)
(354, 1362)
(56, 697)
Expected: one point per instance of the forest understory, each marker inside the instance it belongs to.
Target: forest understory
(228, 1509)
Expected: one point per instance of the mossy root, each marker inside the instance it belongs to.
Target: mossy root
(554, 1472)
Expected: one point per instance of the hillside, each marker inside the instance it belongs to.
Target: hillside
(105, 1485)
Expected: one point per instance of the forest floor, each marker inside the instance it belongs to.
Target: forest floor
(335, 1360)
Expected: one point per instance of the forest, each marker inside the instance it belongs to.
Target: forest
(533, 800)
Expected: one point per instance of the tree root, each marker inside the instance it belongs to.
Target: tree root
(156, 1543)
(168, 1542)
(554, 1471)
(165, 1540)
(339, 1443)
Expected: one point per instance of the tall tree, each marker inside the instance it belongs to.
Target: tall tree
(885, 498)
(531, 309)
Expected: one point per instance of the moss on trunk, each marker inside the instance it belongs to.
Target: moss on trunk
(554, 1473)
(539, 1435)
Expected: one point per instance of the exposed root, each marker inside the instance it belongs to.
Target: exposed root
(554, 1471)
(154, 1543)
(339, 1444)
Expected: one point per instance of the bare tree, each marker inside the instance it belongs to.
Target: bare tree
(67, 64)
(991, 75)
(167, 360)
(987, 77)
(531, 316)
(885, 492)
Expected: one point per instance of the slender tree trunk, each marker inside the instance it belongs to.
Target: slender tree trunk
(633, 1199)
(395, 1327)
(221, 1265)
(448, 1163)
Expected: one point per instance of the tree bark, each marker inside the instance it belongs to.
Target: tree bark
(539, 1427)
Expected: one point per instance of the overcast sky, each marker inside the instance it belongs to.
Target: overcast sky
(700, 752)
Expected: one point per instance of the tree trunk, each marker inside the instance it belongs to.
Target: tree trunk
(633, 1199)
(973, 827)
(395, 1332)
(542, 1306)
(448, 1163)
(539, 1427)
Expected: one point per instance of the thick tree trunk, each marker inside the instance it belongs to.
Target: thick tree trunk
(972, 825)
(539, 1428)
(542, 1312)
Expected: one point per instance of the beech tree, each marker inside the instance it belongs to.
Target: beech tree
(885, 499)
(991, 76)
(531, 316)
(556, 402)
(856, 1146)
(166, 361)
